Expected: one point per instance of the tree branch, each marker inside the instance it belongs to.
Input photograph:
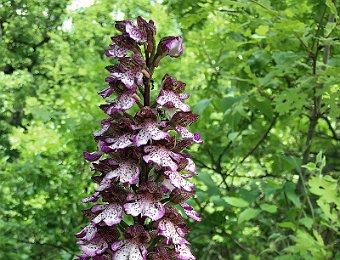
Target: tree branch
(262, 139)
(331, 128)
(315, 114)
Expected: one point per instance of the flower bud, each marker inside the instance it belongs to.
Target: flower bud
(169, 46)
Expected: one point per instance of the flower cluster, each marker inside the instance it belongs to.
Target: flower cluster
(140, 165)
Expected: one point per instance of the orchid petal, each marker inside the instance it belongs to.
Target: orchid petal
(184, 252)
(150, 131)
(88, 232)
(177, 180)
(190, 212)
(135, 33)
(111, 215)
(185, 133)
(160, 156)
(123, 102)
(172, 233)
(92, 198)
(191, 167)
(120, 142)
(106, 92)
(144, 206)
(128, 250)
(96, 247)
(169, 98)
(92, 157)
(127, 172)
(116, 51)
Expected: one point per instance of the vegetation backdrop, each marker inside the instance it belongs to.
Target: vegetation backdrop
(264, 78)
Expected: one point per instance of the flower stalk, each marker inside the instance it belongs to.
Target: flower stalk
(141, 165)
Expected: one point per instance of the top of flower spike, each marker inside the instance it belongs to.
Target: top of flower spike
(131, 29)
(141, 32)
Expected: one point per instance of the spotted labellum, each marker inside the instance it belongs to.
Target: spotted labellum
(141, 166)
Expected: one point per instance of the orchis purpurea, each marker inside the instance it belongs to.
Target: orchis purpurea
(140, 165)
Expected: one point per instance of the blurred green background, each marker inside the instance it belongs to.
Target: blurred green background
(264, 77)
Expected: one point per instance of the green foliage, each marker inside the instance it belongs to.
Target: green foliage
(264, 79)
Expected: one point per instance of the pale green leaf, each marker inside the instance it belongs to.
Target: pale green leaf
(268, 207)
(248, 214)
(237, 202)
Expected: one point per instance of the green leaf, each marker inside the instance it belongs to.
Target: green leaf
(307, 222)
(287, 224)
(290, 99)
(291, 195)
(269, 208)
(218, 201)
(228, 102)
(248, 214)
(310, 166)
(287, 257)
(237, 202)
(319, 157)
(262, 30)
(331, 6)
(201, 106)
(269, 187)
(325, 187)
(325, 207)
(206, 179)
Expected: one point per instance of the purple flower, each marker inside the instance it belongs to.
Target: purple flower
(172, 45)
(140, 166)
(178, 181)
(190, 212)
(184, 252)
(119, 142)
(129, 77)
(172, 233)
(111, 214)
(127, 172)
(169, 46)
(92, 198)
(183, 118)
(172, 227)
(185, 133)
(87, 233)
(161, 156)
(125, 249)
(128, 72)
(146, 203)
(178, 196)
(134, 246)
(96, 247)
(170, 99)
(121, 45)
(116, 51)
(91, 157)
(190, 167)
(122, 102)
(172, 84)
(163, 253)
(106, 92)
(149, 131)
(132, 30)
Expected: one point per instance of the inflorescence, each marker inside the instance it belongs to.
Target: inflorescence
(140, 165)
